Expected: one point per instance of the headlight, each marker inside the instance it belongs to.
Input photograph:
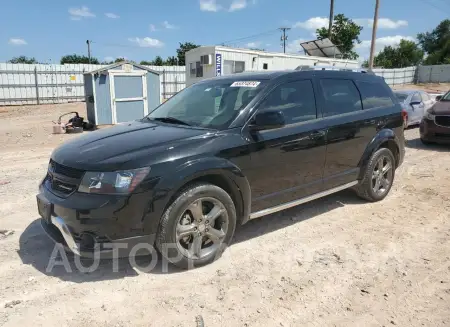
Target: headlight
(118, 182)
(428, 115)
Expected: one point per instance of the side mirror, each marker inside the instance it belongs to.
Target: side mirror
(268, 120)
(414, 103)
(438, 98)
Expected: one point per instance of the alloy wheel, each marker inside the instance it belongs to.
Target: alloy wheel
(382, 175)
(202, 228)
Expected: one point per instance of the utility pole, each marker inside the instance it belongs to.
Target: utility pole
(88, 42)
(330, 23)
(374, 34)
(284, 37)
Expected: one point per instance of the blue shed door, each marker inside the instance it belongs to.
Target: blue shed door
(128, 96)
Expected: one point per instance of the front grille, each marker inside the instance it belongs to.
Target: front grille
(62, 187)
(66, 171)
(443, 121)
(62, 180)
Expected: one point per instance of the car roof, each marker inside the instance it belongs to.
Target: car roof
(271, 75)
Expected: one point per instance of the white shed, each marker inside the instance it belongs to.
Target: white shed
(210, 61)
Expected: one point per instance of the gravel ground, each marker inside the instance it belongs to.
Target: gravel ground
(337, 261)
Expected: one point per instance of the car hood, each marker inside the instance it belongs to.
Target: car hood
(441, 108)
(124, 145)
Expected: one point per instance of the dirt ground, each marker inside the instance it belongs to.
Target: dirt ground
(337, 261)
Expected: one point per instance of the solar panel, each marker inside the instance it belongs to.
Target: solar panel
(321, 48)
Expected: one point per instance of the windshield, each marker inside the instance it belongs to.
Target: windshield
(446, 97)
(213, 104)
(401, 96)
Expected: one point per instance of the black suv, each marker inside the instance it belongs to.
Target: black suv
(219, 153)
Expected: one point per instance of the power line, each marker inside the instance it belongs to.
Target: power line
(434, 6)
(247, 38)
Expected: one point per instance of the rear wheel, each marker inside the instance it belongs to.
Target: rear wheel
(197, 226)
(378, 176)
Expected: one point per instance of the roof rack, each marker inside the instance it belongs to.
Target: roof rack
(321, 67)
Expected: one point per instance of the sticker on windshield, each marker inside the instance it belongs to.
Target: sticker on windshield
(245, 84)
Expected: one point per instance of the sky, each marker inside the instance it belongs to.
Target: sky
(142, 29)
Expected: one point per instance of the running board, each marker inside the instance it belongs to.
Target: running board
(294, 203)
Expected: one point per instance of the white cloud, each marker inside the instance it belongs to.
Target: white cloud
(169, 26)
(146, 42)
(111, 15)
(152, 28)
(383, 23)
(238, 5)
(380, 43)
(294, 46)
(222, 5)
(17, 41)
(79, 13)
(313, 23)
(253, 44)
(108, 59)
(209, 5)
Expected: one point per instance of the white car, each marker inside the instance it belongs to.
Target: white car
(414, 103)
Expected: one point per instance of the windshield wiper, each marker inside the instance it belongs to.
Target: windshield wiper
(170, 120)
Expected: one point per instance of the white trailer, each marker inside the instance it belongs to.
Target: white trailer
(211, 61)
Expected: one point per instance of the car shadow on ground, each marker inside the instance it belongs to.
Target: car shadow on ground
(37, 249)
(417, 144)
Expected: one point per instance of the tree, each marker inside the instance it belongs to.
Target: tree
(23, 60)
(436, 44)
(158, 61)
(407, 53)
(181, 51)
(76, 59)
(171, 61)
(145, 63)
(119, 59)
(344, 34)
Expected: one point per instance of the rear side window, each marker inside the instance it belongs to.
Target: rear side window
(425, 96)
(374, 95)
(295, 99)
(341, 97)
(416, 98)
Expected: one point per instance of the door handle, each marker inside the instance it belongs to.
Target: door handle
(317, 135)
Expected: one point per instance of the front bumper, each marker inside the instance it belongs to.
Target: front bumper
(88, 224)
(431, 132)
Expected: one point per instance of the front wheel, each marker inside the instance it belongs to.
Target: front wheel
(198, 225)
(378, 176)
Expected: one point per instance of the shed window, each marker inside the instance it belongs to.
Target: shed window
(198, 69)
(192, 69)
(233, 67)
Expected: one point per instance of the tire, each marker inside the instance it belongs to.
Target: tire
(179, 219)
(366, 187)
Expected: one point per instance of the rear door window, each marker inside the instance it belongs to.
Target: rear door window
(295, 100)
(341, 96)
(374, 95)
(416, 98)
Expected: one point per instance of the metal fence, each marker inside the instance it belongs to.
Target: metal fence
(22, 84)
(434, 74)
(398, 75)
(47, 83)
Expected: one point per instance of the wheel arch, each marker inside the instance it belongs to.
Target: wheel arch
(216, 171)
(384, 139)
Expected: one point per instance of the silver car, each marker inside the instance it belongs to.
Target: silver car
(414, 103)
